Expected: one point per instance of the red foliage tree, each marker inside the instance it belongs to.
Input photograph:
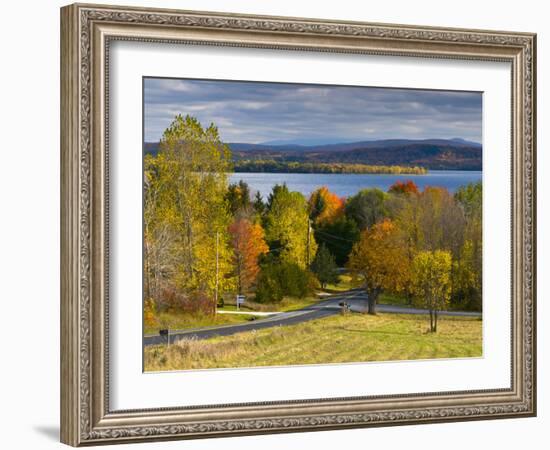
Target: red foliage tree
(404, 187)
(248, 243)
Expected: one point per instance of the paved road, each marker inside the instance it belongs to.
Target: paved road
(355, 298)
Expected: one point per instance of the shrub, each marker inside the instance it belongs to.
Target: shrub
(279, 279)
(196, 302)
(269, 288)
(294, 280)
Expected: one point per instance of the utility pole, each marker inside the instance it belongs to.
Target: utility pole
(217, 269)
(308, 241)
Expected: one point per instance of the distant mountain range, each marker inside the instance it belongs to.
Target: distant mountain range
(306, 141)
(435, 154)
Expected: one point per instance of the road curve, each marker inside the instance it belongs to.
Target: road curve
(355, 298)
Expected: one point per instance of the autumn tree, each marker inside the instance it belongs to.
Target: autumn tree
(379, 257)
(437, 220)
(186, 213)
(288, 228)
(404, 187)
(470, 197)
(248, 243)
(431, 280)
(404, 208)
(160, 229)
(468, 269)
(324, 267)
(466, 278)
(430, 220)
(325, 206)
(441, 221)
(366, 207)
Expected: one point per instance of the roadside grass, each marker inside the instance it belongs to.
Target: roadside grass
(335, 339)
(181, 321)
(391, 299)
(401, 300)
(287, 304)
(292, 303)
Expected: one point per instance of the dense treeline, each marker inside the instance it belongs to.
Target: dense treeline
(424, 245)
(273, 166)
(206, 239)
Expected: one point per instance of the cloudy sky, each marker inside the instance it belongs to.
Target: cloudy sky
(256, 112)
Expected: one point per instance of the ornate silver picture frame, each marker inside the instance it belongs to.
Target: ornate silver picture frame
(87, 33)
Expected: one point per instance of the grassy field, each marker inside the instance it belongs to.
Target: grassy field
(336, 339)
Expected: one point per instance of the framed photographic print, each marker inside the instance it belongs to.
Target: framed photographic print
(275, 224)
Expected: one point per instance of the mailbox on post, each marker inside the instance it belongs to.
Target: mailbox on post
(165, 332)
(240, 300)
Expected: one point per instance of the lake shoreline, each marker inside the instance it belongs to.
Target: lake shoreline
(348, 184)
(427, 172)
(271, 166)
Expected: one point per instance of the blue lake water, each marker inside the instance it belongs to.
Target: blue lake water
(346, 184)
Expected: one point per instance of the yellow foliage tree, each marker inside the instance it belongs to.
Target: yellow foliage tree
(431, 281)
(187, 243)
(288, 227)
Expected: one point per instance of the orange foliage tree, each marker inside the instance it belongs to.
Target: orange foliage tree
(404, 187)
(325, 206)
(380, 258)
(249, 244)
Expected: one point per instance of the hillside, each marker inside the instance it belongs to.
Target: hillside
(442, 154)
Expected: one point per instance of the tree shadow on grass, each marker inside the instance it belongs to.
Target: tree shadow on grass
(388, 333)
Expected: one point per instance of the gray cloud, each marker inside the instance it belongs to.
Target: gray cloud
(257, 112)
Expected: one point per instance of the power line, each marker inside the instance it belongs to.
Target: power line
(334, 236)
(217, 264)
(339, 245)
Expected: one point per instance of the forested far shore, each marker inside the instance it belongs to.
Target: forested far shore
(272, 166)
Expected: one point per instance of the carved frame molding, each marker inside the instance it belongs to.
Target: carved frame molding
(86, 32)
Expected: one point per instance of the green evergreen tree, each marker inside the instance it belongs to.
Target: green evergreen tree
(324, 267)
(238, 196)
(258, 204)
